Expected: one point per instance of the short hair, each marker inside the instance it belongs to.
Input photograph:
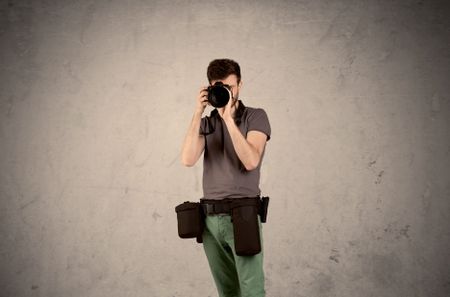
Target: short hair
(221, 68)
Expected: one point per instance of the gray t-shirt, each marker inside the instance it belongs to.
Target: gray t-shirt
(224, 176)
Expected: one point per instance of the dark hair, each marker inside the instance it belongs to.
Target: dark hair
(221, 68)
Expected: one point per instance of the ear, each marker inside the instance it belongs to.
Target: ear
(240, 84)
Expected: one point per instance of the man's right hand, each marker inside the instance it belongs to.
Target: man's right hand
(202, 100)
(194, 142)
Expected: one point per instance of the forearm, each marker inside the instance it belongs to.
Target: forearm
(194, 143)
(246, 152)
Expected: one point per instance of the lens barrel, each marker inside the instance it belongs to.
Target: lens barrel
(218, 95)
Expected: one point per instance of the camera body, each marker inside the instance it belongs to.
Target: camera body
(219, 94)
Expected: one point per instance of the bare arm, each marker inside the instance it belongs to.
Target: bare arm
(248, 149)
(194, 143)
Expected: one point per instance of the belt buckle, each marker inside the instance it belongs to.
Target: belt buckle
(223, 209)
(210, 208)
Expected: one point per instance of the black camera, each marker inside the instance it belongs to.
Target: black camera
(219, 94)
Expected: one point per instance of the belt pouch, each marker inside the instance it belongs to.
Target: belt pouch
(244, 214)
(190, 220)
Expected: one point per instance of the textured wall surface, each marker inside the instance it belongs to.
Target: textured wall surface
(96, 97)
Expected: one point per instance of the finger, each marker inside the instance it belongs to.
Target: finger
(203, 88)
(230, 103)
(203, 98)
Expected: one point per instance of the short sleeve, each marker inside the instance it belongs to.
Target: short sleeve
(258, 121)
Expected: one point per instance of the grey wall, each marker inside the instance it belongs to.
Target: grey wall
(96, 97)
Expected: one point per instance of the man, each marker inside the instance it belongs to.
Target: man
(232, 139)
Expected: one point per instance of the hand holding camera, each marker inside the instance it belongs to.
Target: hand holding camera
(202, 100)
(218, 96)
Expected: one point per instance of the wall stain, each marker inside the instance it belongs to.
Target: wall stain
(156, 216)
(334, 255)
(403, 232)
(371, 166)
(398, 233)
(379, 177)
(35, 199)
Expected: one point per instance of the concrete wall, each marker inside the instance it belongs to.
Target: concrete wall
(96, 97)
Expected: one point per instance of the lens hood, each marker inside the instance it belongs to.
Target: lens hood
(219, 94)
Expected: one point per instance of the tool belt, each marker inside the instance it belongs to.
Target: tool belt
(216, 207)
(225, 206)
(244, 215)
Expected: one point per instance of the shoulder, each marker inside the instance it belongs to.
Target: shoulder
(256, 119)
(254, 113)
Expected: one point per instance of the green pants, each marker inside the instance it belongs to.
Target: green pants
(235, 276)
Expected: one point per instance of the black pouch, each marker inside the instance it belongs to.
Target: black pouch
(190, 220)
(244, 213)
(263, 208)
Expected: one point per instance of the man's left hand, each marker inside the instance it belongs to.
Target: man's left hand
(227, 112)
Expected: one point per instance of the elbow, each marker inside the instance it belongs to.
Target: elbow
(250, 168)
(251, 165)
(187, 162)
(189, 158)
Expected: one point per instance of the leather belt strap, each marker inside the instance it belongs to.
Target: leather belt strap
(216, 208)
(212, 207)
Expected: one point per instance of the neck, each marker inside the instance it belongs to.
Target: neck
(236, 103)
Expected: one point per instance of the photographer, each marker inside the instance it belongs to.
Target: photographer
(232, 139)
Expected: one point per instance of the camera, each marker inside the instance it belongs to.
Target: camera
(219, 94)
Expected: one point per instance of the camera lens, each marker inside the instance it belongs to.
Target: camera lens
(218, 95)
